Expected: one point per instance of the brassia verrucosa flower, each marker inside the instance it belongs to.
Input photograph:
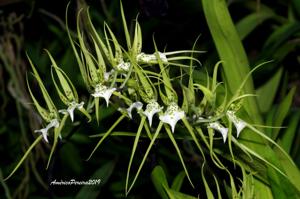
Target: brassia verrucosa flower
(162, 81)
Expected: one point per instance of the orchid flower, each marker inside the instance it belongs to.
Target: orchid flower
(104, 92)
(137, 105)
(238, 123)
(71, 108)
(123, 66)
(146, 58)
(53, 123)
(152, 108)
(172, 115)
(218, 127)
(108, 74)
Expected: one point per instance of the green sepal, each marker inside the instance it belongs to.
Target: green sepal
(66, 84)
(51, 107)
(92, 73)
(37, 140)
(100, 61)
(170, 92)
(118, 56)
(137, 41)
(79, 58)
(84, 112)
(45, 114)
(127, 35)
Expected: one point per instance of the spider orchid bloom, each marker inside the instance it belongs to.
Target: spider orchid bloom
(146, 58)
(108, 74)
(53, 123)
(70, 110)
(172, 115)
(238, 123)
(104, 92)
(218, 127)
(152, 108)
(137, 105)
(123, 66)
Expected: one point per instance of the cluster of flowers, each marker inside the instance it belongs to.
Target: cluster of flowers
(127, 68)
(137, 79)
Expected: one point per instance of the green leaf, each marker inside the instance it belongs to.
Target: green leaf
(177, 182)
(279, 36)
(160, 181)
(102, 174)
(178, 195)
(247, 24)
(287, 139)
(296, 4)
(266, 93)
(282, 111)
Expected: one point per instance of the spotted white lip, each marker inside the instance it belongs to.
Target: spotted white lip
(151, 109)
(104, 92)
(218, 127)
(71, 108)
(136, 105)
(146, 58)
(238, 123)
(172, 115)
(53, 123)
(123, 66)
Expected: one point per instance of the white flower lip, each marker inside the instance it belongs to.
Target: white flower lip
(107, 74)
(71, 108)
(218, 127)
(142, 57)
(123, 66)
(137, 105)
(238, 123)
(104, 92)
(172, 115)
(151, 109)
(53, 123)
